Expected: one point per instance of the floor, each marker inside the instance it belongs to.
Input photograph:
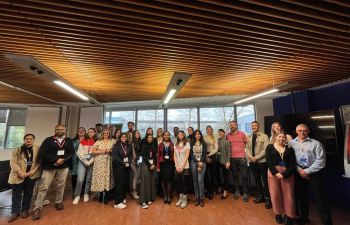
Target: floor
(216, 211)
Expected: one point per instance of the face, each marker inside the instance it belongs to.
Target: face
(111, 129)
(123, 138)
(149, 131)
(130, 126)
(60, 131)
(137, 135)
(276, 128)
(91, 133)
(281, 139)
(105, 134)
(149, 139)
(117, 133)
(303, 132)
(99, 129)
(197, 136)
(159, 132)
(190, 131)
(81, 132)
(29, 141)
(181, 136)
(255, 127)
(176, 131)
(221, 134)
(233, 126)
(166, 136)
(209, 130)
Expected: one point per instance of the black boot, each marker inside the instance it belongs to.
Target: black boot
(100, 199)
(259, 199)
(197, 202)
(279, 219)
(105, 197)
(268, 204)
(288, 221)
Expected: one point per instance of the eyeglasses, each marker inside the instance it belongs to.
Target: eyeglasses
(302, 131)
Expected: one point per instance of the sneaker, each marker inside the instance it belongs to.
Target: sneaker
(236, 195)
(245, 197)
(86, 198)
(120, 206)
(46, 202)
(134, 195)
(148, 203)
(36, 214)
(76, 200)
(124, 201)
(144, 205)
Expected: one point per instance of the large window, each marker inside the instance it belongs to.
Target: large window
(182, 118)
(245, 115)
(12, 127)
(122, 118)
(150, 118)
(218, 118)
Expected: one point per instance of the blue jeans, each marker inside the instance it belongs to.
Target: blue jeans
(198, 180)
(83, 172)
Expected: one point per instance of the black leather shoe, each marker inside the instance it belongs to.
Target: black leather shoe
(268, 204)
(210, 196)
(279, 219)
(259, 199)
(100, 199)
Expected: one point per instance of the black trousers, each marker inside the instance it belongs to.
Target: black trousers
(210, 176)
(19, 203)
(222, 176)
(239, 167)
(260, 176)
(183, 182)
(122, 179)
(317, 184)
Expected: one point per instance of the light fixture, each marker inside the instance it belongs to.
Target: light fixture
(256, 96)
(71, 90)
(322, 117)
(178, 80)
(326, 127)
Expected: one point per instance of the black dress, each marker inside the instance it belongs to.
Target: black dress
(167, 167)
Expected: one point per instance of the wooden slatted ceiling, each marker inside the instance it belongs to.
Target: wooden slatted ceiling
(128, 50)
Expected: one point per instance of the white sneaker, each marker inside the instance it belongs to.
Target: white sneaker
(148, 203)
(134, 195)
(76, 200)
(124, 201)
(120, 206)
(144, 205)
(86, 198)
(46, 202)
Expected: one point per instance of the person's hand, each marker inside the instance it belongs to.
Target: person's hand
(181, 169)
(200, 164)
(253, 159)
(152, 167)
(303, 174)
(279, 176)
(29, 173)
(158, 170)
(22, 174)
(59, 162)
(199, 169)
(227, 166)
(126, 164)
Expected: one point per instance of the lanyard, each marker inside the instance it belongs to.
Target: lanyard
(60, 145)
(123, 149)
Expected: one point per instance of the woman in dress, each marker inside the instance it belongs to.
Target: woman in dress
(165, 165)
(281, 162)
(102, 177)
(85, 166)
(148, 168)
(135, 170)
(182, 166)
(210, 172)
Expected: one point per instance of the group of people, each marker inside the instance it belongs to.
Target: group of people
(116, 163)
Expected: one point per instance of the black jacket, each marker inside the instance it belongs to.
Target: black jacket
(118, 155)
(146, 150)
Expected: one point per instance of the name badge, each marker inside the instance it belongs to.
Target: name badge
(166, 157)
(303, 160)
(151, 161)
(60, 152)
(126, 159)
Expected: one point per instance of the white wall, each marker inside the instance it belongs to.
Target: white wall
(263, 108)
(89, 116)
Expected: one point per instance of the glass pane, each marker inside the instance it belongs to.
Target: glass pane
(122, 118)
(17, 117)
(2, 134)
(218, 118)
(245, 115)
(107, 117)
(15, 136)
(3, 115)
(150, 118)
(182, 118)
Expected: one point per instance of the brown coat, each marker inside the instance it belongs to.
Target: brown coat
(18, 162)
(262, 140)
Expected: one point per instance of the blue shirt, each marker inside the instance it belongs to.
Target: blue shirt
(309, 154)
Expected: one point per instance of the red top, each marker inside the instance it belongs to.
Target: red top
(237, 141)
(160, 153)
(87, 142)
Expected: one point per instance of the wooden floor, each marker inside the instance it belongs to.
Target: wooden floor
(216, 212)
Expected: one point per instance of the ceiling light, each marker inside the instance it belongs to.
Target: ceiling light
(71, 90)
(178, 80)
(326, 127)
(256, 96)
(322, 117)
(170, 95)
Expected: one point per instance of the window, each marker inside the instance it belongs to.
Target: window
(245, 115)
(12, 127)
(150, 118)
(182, 118)
(107, 117)
(218, 118)
(122, 118)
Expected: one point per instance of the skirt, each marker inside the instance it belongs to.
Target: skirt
(167, 171)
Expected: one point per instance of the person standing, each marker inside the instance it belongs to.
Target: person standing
(211, 167)
(135, 170)
(311, 164)
(99, 129)
(117, 134)
(190, 136)
(238, 160)
(85, 166)
(165, 165)
(56, 155)
(256, 155)
(148, 168)
(159, 135)
(280, 159)
(131, 127)
(182, 173)
(122, 156)
(275, 129)
(198, 154)
(102, 176)
(176, 132)
(24, 173)
(223, 160)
